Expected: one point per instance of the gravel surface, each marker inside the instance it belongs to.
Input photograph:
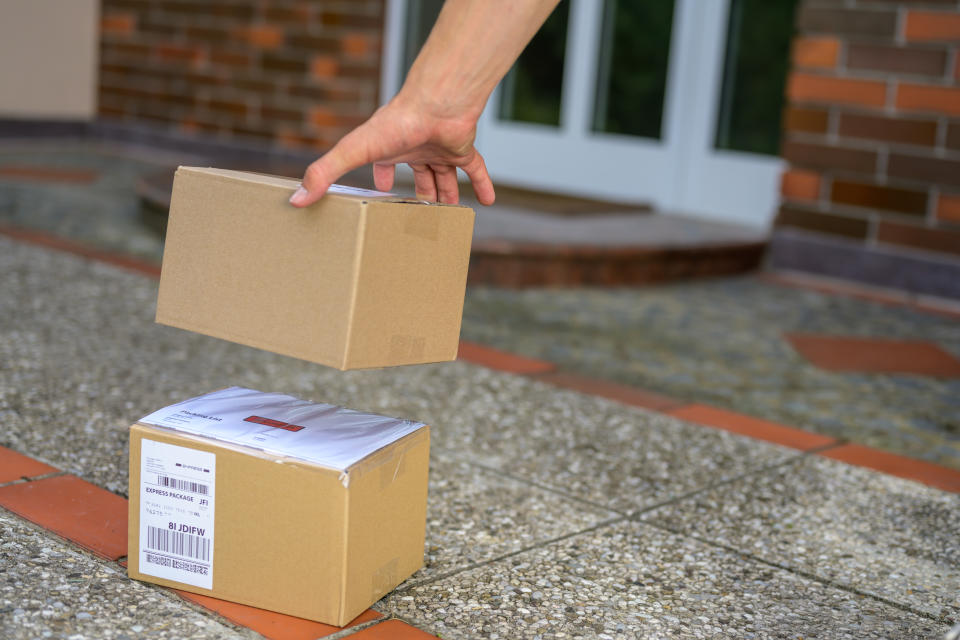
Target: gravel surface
(105, 213)
(852, 526)
(530, 489)
(634, 581)
(475, 515)
(48, 589)
(720, 342)
(81, 359)
(717, 342)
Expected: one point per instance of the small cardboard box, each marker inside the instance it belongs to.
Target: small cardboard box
(360, 279)
(306, 509)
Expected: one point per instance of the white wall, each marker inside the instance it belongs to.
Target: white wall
(48, 58)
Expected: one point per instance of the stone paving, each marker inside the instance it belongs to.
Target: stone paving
(552, 514)
(721, 342)
(718, 342)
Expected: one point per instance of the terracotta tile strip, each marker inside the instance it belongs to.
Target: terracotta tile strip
(96, 520)
(858, 292)
(83, 513)
(393, 630)
(50, 241)
(275, 626)
(927, 473)
(870, 355)
(502, 360)
(48, 174)
(752, 427)
(633, 396)
(15, 466)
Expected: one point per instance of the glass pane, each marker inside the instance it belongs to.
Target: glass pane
(531, 92)
(421, 14)
(758, 53)
(632, 72)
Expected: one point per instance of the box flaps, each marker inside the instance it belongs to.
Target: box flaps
(283, 425)
(286, 182)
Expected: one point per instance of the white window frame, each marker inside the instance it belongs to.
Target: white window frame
(682, 173)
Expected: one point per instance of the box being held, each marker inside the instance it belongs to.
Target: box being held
(360, 279)
(260, 498)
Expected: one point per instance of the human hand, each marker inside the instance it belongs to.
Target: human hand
(433, 139)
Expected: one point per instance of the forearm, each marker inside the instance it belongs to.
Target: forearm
(470, 49)
(432, 122)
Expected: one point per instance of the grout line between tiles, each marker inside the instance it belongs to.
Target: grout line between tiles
(800, 572)
(722, 483)
(42, 476)
(553, 490)
(202, 610)
(424, 625)
(349, 631)
(489, 561)
(39, 528)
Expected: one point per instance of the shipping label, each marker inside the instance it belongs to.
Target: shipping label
(357, 191)
(177, 493)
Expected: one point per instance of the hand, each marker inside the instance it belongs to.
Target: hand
(434, 140)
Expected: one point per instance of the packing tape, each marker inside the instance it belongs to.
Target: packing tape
(405, 347)
(392, 469)
(385, 578)
(422, 222)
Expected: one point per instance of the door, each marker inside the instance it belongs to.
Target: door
(671, 103)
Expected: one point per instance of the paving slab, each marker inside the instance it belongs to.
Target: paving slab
(635, 581)
(527, 486)
(82, 361)
(620, 457)
(721, 342)
(476, 515)
(104, 213)
(48, 589)
(851, 526)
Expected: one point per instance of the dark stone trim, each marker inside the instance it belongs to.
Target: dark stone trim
(915, 271)
(197, 149)
(521, 265)
(14, 128)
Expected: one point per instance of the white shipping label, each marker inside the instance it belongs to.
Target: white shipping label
(357, 191)
(320, 433)
(177, 491)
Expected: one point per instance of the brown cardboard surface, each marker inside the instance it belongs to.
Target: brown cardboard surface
(301, 539)
(353, 281)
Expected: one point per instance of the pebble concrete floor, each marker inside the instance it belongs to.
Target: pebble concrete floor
(717, 342)
(551, 514)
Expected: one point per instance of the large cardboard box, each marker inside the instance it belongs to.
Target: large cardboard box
(307, 509)
(360, 279)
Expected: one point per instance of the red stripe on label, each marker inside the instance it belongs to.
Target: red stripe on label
(273, 423)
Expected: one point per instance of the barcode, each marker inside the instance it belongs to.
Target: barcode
(174, 563)
(183, 485)
(179, 543)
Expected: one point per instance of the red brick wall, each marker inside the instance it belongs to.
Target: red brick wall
(873, 123)
(295, 72)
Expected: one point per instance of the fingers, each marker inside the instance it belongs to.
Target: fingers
(448, 191)
(353, 150)
(424, 182)
(383, 175)
(476, 169)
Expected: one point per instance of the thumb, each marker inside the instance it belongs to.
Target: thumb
(348, 154)
(316, 180)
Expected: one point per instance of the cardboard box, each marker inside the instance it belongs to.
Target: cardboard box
(360, 279)
(262, 499)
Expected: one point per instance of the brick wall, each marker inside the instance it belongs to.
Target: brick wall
(873, 125)
(299, 73)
